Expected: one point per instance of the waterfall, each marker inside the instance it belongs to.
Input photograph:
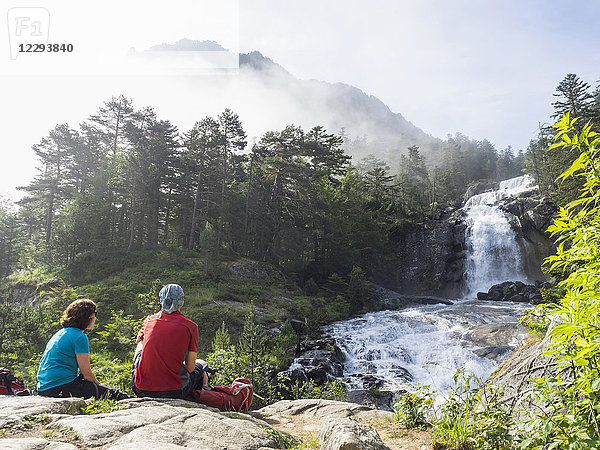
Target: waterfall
(493, 251)
(426, 344)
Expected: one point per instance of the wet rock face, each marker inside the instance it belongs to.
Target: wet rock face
(514, 292)
(317, 361)
(534, 214)
(497, 354)
(479, 187)
(431, 258)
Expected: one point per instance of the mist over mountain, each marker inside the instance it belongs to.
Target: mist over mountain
(189, 45)
(268, 98)
(369, 126)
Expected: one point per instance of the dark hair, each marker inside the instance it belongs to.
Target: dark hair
(78, 314)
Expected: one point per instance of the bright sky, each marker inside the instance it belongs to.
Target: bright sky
(485, 68)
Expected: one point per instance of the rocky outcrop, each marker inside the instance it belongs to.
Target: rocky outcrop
(518, 374)
(534, 214)
(317, 361)
(431, 258)
(394, 300)
(349, 434)
(492, 341)
(514, 292)
(24, 294)
(375, 398)
(174, 424)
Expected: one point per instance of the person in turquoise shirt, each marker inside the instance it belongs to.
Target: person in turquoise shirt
(65, 369)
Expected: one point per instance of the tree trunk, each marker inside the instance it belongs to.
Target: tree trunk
(197, 200)
(132, 225)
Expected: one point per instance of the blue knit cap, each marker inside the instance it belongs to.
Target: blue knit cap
(171, 296)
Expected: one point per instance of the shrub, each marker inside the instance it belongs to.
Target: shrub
(472, 417)
(415, 409)
(537, 318)
(569, 406)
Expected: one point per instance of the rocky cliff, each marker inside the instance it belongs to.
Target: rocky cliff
(534, 214)
(430, 258)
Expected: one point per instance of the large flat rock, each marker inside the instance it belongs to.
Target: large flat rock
(33, 444)
(338, 425)
(171, 424)
(14, 409)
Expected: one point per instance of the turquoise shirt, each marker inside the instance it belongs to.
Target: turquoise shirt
(59, 363)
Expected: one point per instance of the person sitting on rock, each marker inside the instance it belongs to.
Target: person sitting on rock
(164, 364)
(65, 365)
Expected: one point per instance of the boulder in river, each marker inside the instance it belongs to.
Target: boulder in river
(317, 361)
(513, 291)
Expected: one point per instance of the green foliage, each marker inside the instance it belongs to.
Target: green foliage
(472, 417)
(284, 388)
(35, 276)
(112, 371)
(282, 439)
(222, 339)
(149, 302)
(253, 348)
(415, 409)
(311, 287)
(557, 424)
(568, 416)
(24, 331)
(537, 318)
(38, 418)
(546, 162)
(361, 292)
(101, 406)
(119, 333)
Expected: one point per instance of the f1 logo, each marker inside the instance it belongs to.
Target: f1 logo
(27, 25)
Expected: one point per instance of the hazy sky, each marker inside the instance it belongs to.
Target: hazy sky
(486, 68)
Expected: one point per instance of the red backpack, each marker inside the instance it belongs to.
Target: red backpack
(11, 385)
(236, 396)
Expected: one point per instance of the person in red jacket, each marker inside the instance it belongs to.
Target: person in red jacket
(164, 364)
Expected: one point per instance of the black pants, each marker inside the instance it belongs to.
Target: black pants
(80, 387)
(195, 382)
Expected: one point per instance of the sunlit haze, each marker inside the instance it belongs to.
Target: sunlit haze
(484, 68)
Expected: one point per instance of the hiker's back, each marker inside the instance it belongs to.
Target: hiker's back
(166, 338)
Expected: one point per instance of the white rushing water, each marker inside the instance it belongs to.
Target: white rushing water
(426, 344)
(430, 342)
(493, 252)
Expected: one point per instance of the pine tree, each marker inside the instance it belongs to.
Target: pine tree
(111, 121)
(233, 140)
(574, 96)
(202, 158)
(52, 186)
